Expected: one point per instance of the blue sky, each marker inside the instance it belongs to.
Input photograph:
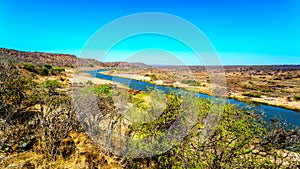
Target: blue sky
(242, 32)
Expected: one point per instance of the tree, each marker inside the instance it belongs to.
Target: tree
(240, 140)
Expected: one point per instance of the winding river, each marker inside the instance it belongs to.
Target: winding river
(271, 112)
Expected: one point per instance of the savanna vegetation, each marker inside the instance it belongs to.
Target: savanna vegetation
(42, 126)
(275, 85)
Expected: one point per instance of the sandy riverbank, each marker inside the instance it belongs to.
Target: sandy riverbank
(207, 89)
(80, 77)
(278, 102)
(124, 75)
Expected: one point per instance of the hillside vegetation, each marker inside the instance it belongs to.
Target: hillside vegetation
(41, 126)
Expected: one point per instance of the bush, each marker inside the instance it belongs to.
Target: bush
(103, 89)
(44, 71)
(17, 117)
(288, 77)
(58, 120)
(152, 76)
(89, 82)
(191, 82)
(98, 90)
(252, 95)
(57, 70)
(24, 126)
(249, 87)
(51, 85)
(280, 86)
(267, 90)
(48, 66)
(60, 69)
(240, 139)
(30, 67)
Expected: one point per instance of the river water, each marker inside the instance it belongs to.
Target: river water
(271, 112)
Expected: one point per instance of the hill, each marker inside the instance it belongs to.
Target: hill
(41, 58)
(126, 64)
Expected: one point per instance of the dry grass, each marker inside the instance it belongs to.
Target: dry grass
(86, 155)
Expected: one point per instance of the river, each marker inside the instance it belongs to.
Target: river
(271, 112)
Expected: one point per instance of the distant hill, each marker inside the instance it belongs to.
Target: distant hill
(65, 60)
(41, 58)
(126, 64)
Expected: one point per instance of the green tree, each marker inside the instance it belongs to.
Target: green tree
(44, 71)
(239, 140)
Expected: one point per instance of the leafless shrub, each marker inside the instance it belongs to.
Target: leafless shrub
(17, 116)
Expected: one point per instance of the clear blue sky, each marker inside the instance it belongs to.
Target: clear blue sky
(243, 32)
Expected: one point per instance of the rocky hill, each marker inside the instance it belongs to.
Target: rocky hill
(41, 58)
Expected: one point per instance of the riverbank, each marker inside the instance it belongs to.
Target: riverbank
(271, 101)
(206, 88)
(76, 76)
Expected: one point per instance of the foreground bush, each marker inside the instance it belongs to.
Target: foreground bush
(239, 140)
(31, 114)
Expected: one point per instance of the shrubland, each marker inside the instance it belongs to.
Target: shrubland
(41, 128)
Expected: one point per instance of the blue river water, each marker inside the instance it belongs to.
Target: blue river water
(271, 112)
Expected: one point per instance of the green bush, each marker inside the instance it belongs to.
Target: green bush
(103, 89)
(61, 69)
(249, 87)
(297, 97)
(48, 66)
(98, 90)
(252, 95)
(152, 76)
(191, 82)
(44, 71)
(57, 70)
(267, 90)
(51, 85)
(30, 67)
(232, 144)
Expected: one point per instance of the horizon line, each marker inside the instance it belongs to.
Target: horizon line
(64, 53)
